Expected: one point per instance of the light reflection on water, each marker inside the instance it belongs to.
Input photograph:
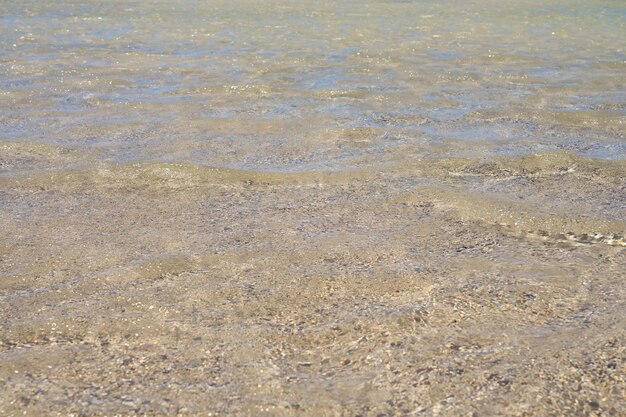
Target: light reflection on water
(464, 70)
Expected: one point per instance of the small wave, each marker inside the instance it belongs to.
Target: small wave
(518, 219)
(539, 164)
(172, 176)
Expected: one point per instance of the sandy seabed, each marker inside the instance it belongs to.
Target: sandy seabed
(312, 208)
(434, 287)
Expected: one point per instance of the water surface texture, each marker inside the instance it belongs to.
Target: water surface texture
(312, 208)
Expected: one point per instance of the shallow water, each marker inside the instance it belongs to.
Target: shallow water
(313, 208)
